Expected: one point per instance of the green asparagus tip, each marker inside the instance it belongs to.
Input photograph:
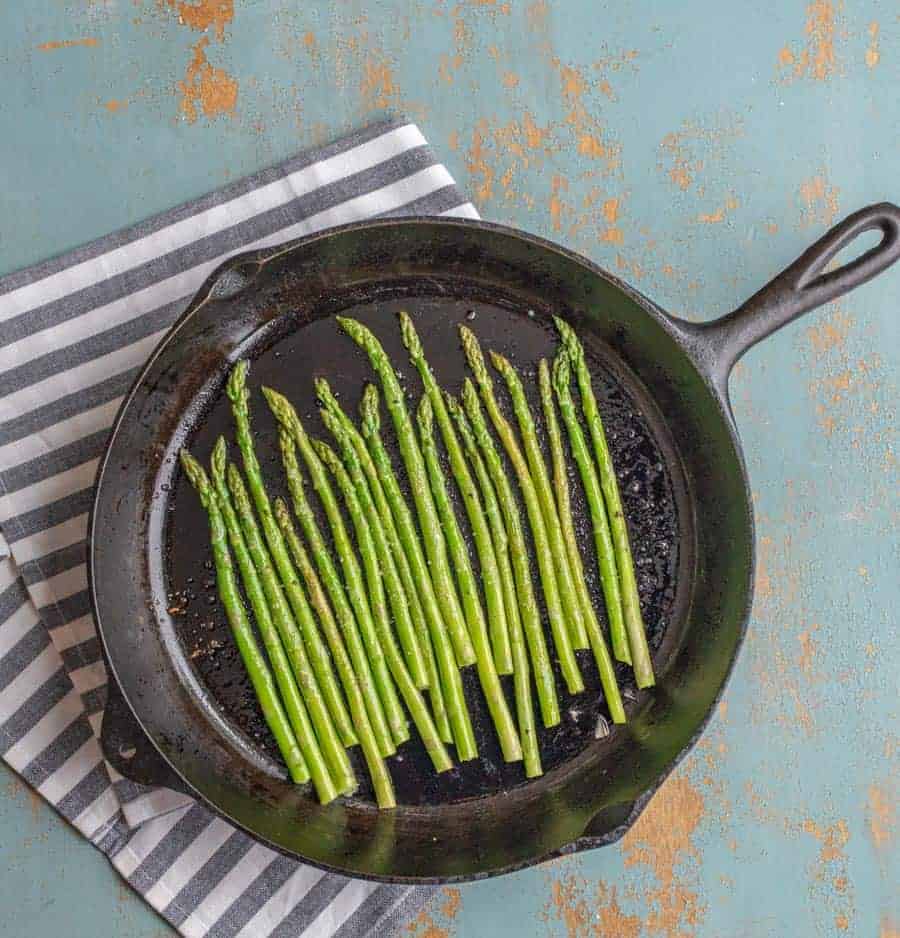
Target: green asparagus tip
(452, 404)
(474, 355)
(333, 425)
(195, 473)
(326, 454)
(219, 457)
(289, 452)
(499, 362)
(369, 411)
(569, 339)
(324, 392)
(281, 510)
(425, 417)
(235, 481)
(469, 396)
(279, 405)
(562, 372)
(410, 336)
(236, 387)
(356, 330)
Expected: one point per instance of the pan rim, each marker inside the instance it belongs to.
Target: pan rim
(683, 333)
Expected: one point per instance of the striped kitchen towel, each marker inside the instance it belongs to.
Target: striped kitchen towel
(74, 332)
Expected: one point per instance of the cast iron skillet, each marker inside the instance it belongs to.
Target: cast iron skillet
(663, 383)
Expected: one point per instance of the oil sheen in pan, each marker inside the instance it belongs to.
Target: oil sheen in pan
(290, 362)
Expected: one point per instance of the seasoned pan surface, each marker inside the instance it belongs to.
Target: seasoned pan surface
(289, 357)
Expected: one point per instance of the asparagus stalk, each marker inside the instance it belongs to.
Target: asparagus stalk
(521, 668)
(368, 551)
(421, 491)
(451, 681)
(356, 589)
(519, 557)
(413, 591)
(631, 604)
(239, 395)
(490, 575)
(564, 575)
(381, 779)
(546, 565)
(510, 745)
(343, 608)
(561, 480)
(335, 755)
(264, 684)
(392, 586)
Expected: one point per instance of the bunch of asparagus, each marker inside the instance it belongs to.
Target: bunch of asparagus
(350, 644)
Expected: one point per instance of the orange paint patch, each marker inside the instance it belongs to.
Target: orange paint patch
(888, 929)
(377, 86)
(660, 840)
(206, 89)
(309, 40)
(558, 183)
(612, 236)
(570, 906)
(510, 80)
(611, 210)
(842, 923)
(589, 145)
(832, 838)
(815, 58)
(611, 921)
(831, 335)
(115, 106)
(881, 817)
(450, 908)
(453, 140)
(819, 201)
(873, 55)
(89, 42)
(203, 14)
(478, 165)
(534, 135)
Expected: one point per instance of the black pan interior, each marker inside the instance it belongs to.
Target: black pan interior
(289, 356)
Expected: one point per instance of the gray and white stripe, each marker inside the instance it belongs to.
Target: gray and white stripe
(74, 332)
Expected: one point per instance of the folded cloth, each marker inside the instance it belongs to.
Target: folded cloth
(74, 332)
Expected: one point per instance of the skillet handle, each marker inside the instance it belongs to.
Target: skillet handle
(801, 287)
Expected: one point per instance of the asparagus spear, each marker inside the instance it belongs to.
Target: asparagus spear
(631, 604)
(381, 779)
(392, 586)
(564, 575)
(368, 551)
(343, 609)
(490, 575)
(487, 672)
(451, 681)
(418, 478)
(335, 755)
(415, 600)
(519, 556)
(561, 479)
(521, 668)
(568, 664)
(356, 589)
(239, 395)
(264, 684)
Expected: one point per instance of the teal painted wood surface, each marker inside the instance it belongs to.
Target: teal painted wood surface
(693, 148)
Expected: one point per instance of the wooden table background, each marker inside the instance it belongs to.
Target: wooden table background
(693, 148)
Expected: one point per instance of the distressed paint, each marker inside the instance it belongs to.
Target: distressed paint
(694, 148)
